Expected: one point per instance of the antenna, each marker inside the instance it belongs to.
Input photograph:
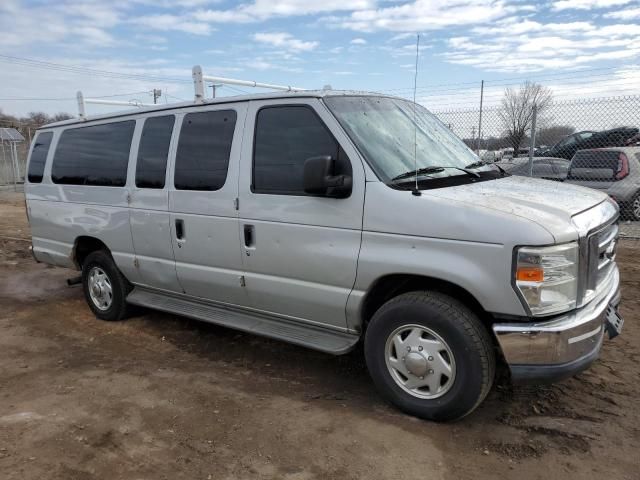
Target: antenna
(415, 191)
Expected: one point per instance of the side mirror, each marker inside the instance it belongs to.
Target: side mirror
(319, 178)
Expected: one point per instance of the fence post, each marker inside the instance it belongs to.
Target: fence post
(480, 119)
(532, 145)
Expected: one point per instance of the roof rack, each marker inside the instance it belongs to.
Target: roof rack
(99, 101)
(199, 80)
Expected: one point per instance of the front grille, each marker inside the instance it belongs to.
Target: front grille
(601, 256)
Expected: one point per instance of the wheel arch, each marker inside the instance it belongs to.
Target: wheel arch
(83, 246)
(389, 286)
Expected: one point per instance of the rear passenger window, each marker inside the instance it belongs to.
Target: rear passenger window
(203, 152)
(39, 157)
(153, 152)
(96, 155)
(285, 137)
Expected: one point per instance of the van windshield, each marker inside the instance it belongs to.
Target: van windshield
(384, 131)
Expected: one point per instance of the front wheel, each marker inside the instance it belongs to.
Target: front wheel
(430, 356)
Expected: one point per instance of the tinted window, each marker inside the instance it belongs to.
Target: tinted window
(203, 152)
(285, 138)
(154, 148)
(595, 164)
(39, 156)
(96, 155)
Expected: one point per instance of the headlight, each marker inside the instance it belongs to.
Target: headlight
(547, 277)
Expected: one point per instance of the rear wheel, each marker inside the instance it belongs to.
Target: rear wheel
(430, 356)
(105, 288)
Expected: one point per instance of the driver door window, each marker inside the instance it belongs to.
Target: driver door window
(285, 137)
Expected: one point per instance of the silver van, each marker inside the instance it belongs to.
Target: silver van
(326, 219)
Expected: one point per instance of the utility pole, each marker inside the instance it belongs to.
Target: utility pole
(532, 145)
(156, 94)
(480, 120)
(214, 87)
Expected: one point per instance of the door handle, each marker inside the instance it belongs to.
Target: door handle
(249, 236)
(179, 229)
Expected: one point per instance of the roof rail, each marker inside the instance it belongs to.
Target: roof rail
(199, 78)
(98, 101)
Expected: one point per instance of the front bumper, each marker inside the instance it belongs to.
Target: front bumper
(547, 351)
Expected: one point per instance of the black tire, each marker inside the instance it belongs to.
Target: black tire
(630, 212)
(464, 334)
(120, 286)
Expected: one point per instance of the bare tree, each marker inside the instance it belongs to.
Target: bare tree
(517, 110)
(58, 117)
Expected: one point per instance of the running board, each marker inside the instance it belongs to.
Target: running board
(309, 336)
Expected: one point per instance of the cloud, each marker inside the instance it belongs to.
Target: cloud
(85, 23)
(261, 10)
(424, 15)
(166, 22)
(284, 40)
(529, 46)
(587, 4)
(628, 14)
(358, 41)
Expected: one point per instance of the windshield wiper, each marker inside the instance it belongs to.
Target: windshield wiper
(432, 169)
(502, 170)
(477, 164)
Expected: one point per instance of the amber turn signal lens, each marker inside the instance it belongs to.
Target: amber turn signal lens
(530, 274)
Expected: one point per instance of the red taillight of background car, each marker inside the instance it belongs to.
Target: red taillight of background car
(623, 166)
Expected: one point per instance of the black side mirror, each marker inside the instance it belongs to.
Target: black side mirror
(319, 178)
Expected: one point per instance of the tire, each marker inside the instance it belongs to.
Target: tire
(632, 212)
(105, 288)
(453, 338)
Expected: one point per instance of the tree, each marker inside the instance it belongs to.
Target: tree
(38, 118)
(549, 136)
(517, 110)
(58, 117)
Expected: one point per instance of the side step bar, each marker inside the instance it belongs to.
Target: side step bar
(309, 336)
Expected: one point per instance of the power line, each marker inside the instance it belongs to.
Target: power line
(87, 71)
(507, 79)
(25, 99)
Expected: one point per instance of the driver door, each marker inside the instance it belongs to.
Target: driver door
(299, 251)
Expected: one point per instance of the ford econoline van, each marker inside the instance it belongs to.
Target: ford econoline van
(325, 219)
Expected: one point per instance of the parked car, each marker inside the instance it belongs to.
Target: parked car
(616, 137)
(302, 216)
(507, 153)
(616, 171)
(543, 167)
(491, 156)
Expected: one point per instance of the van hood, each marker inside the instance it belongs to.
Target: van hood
(550, 204)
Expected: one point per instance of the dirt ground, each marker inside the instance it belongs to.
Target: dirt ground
(164, 397)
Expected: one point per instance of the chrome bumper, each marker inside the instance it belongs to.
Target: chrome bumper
(561, 347)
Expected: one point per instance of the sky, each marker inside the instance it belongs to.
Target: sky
(125, 48)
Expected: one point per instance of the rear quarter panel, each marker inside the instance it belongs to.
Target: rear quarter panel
(59, 214)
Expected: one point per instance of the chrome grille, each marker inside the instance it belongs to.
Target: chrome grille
(601, 257)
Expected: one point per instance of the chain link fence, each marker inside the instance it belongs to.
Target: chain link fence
(14, 151)
(590, 142)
